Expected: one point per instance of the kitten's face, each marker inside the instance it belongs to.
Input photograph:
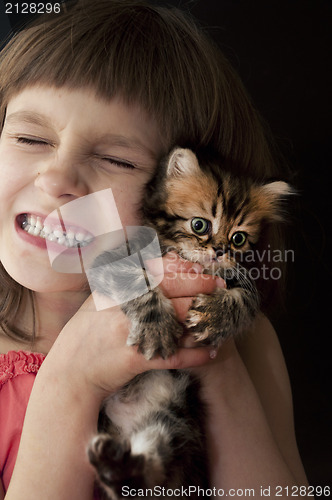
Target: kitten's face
(210, 219)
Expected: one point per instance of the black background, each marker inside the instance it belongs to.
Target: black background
(281, 50)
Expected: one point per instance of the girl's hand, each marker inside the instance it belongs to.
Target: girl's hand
(91, 349)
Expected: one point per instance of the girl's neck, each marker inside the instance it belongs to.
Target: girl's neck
(53, 311)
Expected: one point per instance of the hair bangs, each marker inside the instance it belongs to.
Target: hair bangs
(134, 52)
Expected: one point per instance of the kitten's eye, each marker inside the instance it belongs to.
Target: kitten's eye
(239, 238)
(200, 226)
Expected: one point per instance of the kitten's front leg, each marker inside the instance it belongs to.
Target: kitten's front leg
(225, 313)
(154, 327)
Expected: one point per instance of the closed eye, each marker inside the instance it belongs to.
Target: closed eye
(32, 141)
(119, 163)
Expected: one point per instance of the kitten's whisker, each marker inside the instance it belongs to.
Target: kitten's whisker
(243, 277)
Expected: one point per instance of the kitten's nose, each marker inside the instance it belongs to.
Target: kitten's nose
(219, 251)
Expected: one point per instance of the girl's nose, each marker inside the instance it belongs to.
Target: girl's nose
(61, 180)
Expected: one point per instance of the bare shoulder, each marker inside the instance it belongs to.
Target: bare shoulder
(261, 352)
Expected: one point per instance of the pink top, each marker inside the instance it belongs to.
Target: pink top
(18, 370)
(17, 375)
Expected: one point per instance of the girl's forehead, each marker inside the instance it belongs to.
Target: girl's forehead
(39, 95)
(81, 108)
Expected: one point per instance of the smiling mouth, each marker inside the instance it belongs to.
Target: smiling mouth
(70, 238)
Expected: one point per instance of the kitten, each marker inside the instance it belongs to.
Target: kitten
(151, 432)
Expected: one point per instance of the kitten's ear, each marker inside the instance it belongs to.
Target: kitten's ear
(182, 162)
(272, 197)
(278, 190)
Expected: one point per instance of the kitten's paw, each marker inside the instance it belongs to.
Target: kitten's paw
(114, 464)
(210, 320)
(156, 339)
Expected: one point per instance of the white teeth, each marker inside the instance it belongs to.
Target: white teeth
(80, 237)
(70, 235)
(58, 233)
(62, 240)
(34, 225)
(70, 243)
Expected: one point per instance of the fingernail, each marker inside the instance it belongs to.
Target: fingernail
(196, 268)
(220, 283)
(213, 354)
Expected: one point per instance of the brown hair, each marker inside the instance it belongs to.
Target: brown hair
(155, 56)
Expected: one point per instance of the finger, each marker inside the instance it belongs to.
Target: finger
(181, 306)
(96, 302)
(189, 284)
(188, 342)
(183, 358)
(172, 263)
(102, 301)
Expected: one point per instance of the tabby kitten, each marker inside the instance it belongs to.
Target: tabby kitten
(151, 432)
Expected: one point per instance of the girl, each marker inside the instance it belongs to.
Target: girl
(92, 98)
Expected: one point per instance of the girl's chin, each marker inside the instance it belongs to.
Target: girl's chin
(47, 280)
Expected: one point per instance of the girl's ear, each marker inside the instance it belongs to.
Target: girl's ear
(270, 200)
(182, 162)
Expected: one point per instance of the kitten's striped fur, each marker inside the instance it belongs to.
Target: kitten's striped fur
(157, 418)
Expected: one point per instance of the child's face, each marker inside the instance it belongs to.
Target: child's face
(58, 145)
